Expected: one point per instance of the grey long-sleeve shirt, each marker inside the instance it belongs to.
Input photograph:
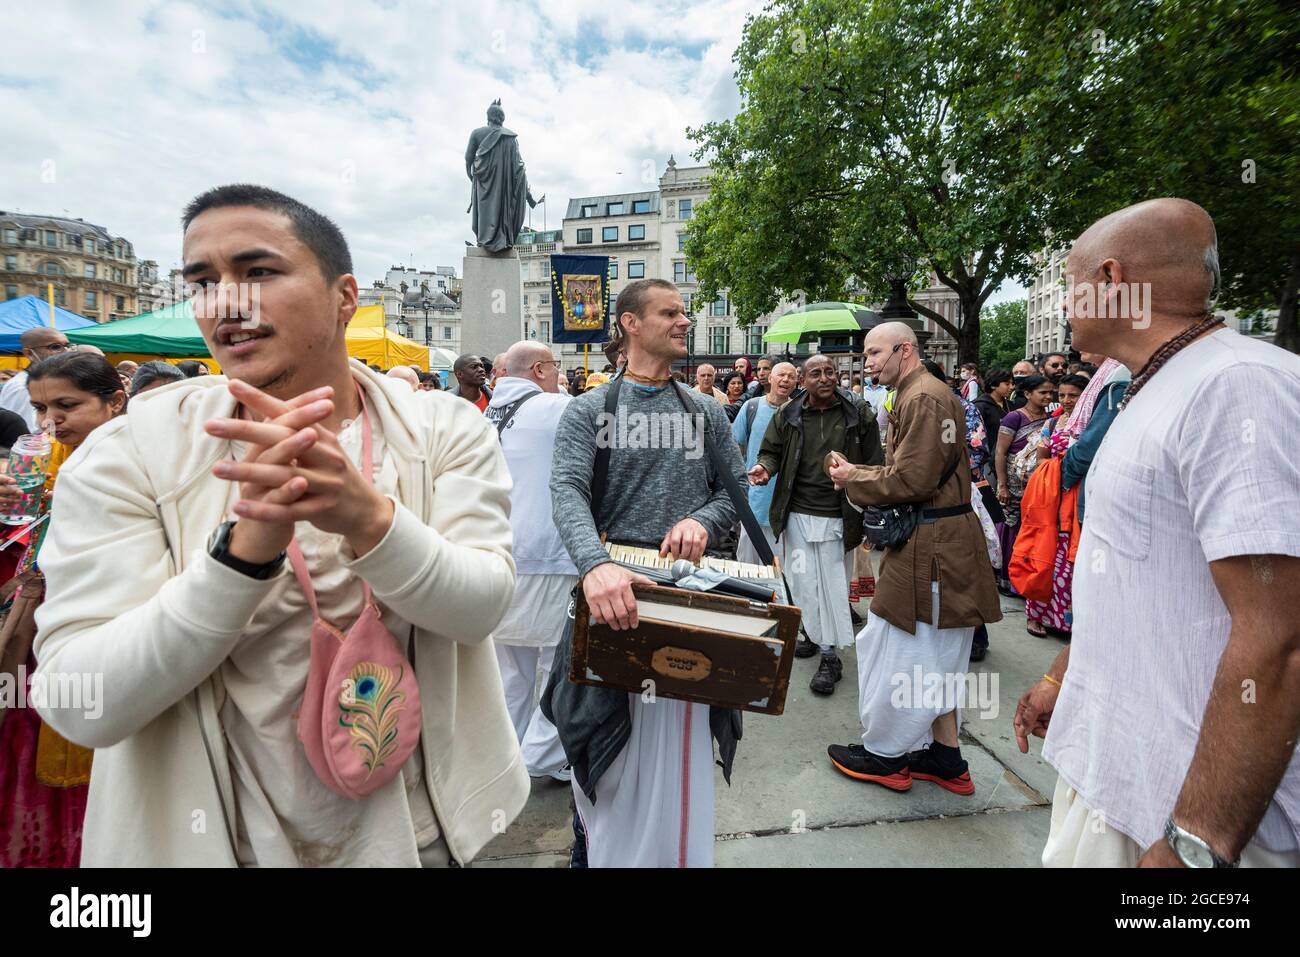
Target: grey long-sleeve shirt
(659, 470)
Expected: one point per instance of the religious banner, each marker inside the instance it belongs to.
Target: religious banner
(579, 299)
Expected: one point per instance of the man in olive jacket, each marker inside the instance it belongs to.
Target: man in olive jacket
(812, 520)
(931, 594)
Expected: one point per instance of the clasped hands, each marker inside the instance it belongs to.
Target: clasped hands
(294, 471)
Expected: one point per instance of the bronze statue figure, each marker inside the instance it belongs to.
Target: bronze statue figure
(499, 187)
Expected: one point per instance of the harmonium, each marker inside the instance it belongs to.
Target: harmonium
(690, 645)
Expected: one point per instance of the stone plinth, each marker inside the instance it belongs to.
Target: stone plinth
(491, 315)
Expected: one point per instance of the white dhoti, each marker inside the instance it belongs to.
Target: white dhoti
(818, 570)
(654, 804)
(1080, 837)
(746, 552)
(907, 681)
(525, 643)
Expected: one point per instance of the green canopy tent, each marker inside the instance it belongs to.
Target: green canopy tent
(168, 332)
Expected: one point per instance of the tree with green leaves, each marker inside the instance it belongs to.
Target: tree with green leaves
(883, 138)
(1002, 335)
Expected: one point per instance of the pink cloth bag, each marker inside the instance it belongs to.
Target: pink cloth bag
(360, 716)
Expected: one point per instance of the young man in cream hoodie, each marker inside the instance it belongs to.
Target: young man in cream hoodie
(166, 575)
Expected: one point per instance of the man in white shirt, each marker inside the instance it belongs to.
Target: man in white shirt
(1174, 713)
(189, 504)
(37, 344)
(526, 409)
(704, 377)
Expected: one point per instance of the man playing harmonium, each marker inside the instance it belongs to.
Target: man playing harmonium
(642, 765)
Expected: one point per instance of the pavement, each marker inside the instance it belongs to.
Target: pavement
(788, 807)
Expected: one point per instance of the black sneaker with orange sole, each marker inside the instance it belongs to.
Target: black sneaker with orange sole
(859, 763)
(956, 779)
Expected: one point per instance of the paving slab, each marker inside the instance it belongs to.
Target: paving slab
(996, 839)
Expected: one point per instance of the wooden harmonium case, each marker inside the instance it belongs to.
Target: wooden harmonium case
(694, 646)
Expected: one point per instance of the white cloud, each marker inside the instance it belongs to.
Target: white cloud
(361, 109)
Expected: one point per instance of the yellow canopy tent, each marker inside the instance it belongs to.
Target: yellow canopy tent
(374, 343)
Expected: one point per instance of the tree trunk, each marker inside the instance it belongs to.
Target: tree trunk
(968, 336)
(1287, 334)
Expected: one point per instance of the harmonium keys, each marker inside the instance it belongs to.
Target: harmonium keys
(691, 646)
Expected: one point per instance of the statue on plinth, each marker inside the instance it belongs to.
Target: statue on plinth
(499, 186)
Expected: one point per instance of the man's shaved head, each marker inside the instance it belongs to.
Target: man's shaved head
(407, 375)
(520, 357)
(1169, 243)
(892, 333)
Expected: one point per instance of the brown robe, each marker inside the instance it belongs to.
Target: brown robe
(927, 426)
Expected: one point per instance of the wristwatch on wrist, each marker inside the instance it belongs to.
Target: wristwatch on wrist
(219, 549)
(1193, 851)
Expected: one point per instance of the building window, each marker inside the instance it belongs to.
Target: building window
(121, 303)
(613, 269)
(11, 235)
(718, 307)
(636, 269)
(690, 342)
(119, 275)
(690, 274)
(446, 332)
(640, 205)
(11, 263)
(51, 238)
(11, 292)
(720, 340)
(686, 303)
(756, 344)
(589, 211)
(609, 234)
(613, 209)
(584, 235)
(681, 242)
(525, 299)
(90, 299)
(90, 270)
(52, 269)
(58, 296)
(544, 299)
(89, 246)
(679, 271)
(684, 210)
(636, 232)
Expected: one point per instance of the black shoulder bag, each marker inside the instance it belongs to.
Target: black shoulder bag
(891, 526)
(507, 412)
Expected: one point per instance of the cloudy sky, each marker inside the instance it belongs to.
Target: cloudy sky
(120, 111)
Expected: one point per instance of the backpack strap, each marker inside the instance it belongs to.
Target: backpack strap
(508, 412)
(600, 473)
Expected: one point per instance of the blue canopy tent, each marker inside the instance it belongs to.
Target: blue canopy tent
(28, 312)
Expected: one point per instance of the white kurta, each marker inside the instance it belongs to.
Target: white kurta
(818, 570)
(746, 552)
(525, 644)
(654, 804)
(906, 681)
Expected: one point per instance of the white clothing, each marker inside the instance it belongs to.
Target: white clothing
(288, 816)
(538, 738)
(746, 552)
(163, 792)
(525, 641)
(907, 681)
(1080, 837)
(654, 803)
(818, 570)
(14, 397)
(1185, 476)
(529, 444)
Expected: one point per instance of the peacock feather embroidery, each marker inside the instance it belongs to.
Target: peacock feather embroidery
(370, 712)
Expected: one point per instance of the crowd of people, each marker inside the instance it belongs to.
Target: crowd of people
(250, 521)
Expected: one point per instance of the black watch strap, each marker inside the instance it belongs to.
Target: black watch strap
(219, 549)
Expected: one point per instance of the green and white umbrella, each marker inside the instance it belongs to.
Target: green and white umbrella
(811, 321)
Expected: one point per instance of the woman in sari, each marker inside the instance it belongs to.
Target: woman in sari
(1054, 617)
(1017, 429)
(44, 779)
